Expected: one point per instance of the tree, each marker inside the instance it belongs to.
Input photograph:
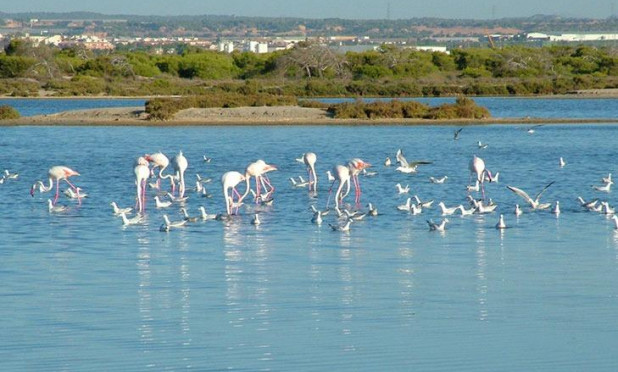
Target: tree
(314, 60)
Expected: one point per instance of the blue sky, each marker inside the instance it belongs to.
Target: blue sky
(362, 9)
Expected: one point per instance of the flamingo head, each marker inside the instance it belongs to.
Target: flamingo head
(359, 164)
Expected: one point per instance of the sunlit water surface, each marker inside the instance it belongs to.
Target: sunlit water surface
(80, 292)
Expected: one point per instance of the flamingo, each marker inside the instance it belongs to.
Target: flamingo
(159, 160)
(180, 165)
(477, 167)
(141, 176)
(230, 180)
(309, 159)
(258, 169)
(342, 174)
(57, 173)
(356, 166)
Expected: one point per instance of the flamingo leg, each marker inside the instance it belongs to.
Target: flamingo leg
(57, 191)
(330, 192)
(79, 199)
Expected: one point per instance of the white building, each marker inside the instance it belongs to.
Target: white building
(257, 47)
(226, 46)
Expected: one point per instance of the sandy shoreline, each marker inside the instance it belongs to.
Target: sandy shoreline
(280, 115)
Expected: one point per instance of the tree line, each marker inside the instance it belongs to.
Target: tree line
(308, 69)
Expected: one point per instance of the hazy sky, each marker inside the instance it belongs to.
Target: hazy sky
(375, 9)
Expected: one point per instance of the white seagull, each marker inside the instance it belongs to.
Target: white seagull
(117, 210)
(138, 218)
(402, 190)
(55, 208)
(501, 224)
(534, 203)
(556, 209)
(437, 226)
(605, 188)
(561, 162)
(405, 166)
(206, 216)
(168, 225)
(448, 211)
(518, 211)
(481, 145)
(405, 207)
(438, 180)
(161, 204)
(256, 220)
(343, 228)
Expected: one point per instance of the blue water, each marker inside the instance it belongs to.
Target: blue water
(80, 292)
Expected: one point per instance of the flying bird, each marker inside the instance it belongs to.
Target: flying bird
(534, 203)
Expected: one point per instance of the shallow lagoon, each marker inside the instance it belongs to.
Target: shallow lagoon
(80, 292)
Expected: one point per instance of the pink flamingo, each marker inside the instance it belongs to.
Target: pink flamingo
(141, 176)
(57, 173)
(309, 159)
(356, 166)
(342, 174)
(159, 160)
(180, 165)
(258, 169)
(230, 180)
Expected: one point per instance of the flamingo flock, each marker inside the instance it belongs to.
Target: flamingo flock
(255, 180)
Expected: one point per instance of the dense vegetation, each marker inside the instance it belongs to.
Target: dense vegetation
(308, 70)
(8, 112)
(463, 108)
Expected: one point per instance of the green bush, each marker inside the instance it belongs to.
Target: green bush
(8, 112)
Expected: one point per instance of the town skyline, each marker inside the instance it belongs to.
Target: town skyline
(322, 9)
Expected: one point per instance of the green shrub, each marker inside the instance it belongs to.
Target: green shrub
(8, 112)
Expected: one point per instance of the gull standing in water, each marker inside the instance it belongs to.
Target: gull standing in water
(55, 208)
(556, 209)
(534, 203)
(118, 211)
(131, 221)
(561, 162)
(518, 211)
(168, 225)
(387, 162)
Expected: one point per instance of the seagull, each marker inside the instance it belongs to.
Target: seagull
(323, 213)
(206, 216)
(131, 221)
(423, 204)
(590, 205)
(168, 225)
(354, 216)
(187, 217)
(489, 208)
(75, 194)
(367, 173)
(561, 162)
(415, 209)
(481, 145)
(161, 204)
(489, 177)
(201, 179)
(331, 178)
(55, 208)
(556, 209)
(438, 180)
(317, 218)
(518, 211)
(474, 188)
(10, 176)
(402, 190)
(607, 209)
(198, 187)
(373, 211)
(118, 211)
(456, 134)
(205, 193)
(531, 129)
(447, 211)
(501, 225)
(342, 228)
(206, 159)
(534, 203)
(256, 220)
(605, 188)
(607, 179)
(615, 218)
(405, 166)
(466, 212)
(387, 162)
(177, 199)
(437, 227)
(405, 207)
